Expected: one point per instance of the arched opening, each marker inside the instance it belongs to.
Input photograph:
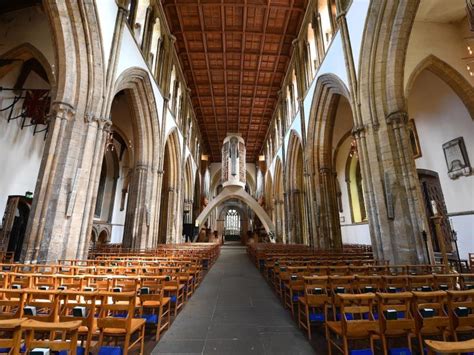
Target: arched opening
(169, 190)
(354, 186)
(329, 144)
(439, 125)
(25, 98)
(296, 192)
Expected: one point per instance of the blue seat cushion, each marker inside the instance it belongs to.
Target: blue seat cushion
(110, 350)
(399, 351)
(316, 317)
(79, 351)
(150, 318)
(361, 352)
(173, 299)
(349, 316)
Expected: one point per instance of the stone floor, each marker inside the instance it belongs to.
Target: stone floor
(234, 311)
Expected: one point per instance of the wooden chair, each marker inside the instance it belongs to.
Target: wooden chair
(338, 285)
(154, 299)
(445, 282)
(395, 318)
(11, 343)
(175, 291)
(449, 347)
(313, 305)
(293, 289)
(357, 321)
(67, 341)
(395, 283)
(72, 303)
(436, 321)
(421, 282)
(11, 303)
(368, 283)
(116, 320)
(461, 312)
(467, 281)
(46, 304)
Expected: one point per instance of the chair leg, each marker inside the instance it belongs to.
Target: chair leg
(346, 346)
(328, 338)
(126, 344)
(142, 342)
(158, 329)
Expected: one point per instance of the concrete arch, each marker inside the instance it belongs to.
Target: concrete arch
(237, 192)
(449, 75)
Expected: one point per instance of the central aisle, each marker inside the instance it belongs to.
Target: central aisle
(234, 311)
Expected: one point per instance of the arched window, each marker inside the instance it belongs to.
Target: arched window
(232, 223)
(132, 11)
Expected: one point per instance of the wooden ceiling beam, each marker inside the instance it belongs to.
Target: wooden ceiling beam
(273, 78)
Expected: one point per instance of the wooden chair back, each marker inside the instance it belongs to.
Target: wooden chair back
(66, 341)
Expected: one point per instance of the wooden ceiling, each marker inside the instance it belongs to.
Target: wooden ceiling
(234, 54)
(13, 5)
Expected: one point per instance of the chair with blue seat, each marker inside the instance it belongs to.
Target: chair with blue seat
(293, 289)
(461, 313)
(11, 303)
(117, 320)
(395, 283)
(66, 341)
(152, 298)
(80, 305)
(313, 305)
(421, 282)
(395, 318)
(41, 305)
(339, 285)
(466, 281)
(357, 322)
(174, 289)
(10, 340)
(445, 282)
(431, 319)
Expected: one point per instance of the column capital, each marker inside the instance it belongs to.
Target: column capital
(62, 110)
(397, 117)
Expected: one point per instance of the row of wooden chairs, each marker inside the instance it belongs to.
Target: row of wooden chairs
(112, 301)
(386, 316)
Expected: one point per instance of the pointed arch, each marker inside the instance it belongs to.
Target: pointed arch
(330, 90)
(449, 75)
(170, 188)
(143, 192)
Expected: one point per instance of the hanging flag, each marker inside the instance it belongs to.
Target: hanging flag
(36, 105)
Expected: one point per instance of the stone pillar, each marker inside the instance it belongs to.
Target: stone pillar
(330, 229)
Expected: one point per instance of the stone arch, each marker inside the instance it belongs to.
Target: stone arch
(170, 188)
(449, 75)
(319, 151)
(143, 195)
(27, 51)
(237, 192)
(76, 127)
(295, 190)
(381, 135)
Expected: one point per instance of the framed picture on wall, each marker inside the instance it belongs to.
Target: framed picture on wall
(414, 141)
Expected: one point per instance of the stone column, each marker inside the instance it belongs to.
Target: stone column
(329, 214)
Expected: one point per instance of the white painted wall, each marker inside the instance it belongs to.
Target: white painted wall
(21, 152)
(440, 116)
(444, 40)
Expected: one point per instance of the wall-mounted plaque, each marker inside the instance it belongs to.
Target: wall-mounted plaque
(456, 157)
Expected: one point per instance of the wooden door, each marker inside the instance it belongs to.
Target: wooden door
(431, 190)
